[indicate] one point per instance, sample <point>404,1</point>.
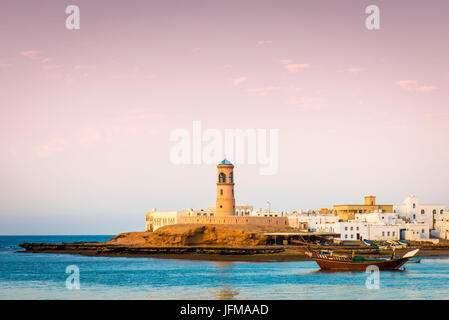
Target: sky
<point>86,115</point>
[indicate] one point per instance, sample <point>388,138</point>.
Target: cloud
<point>307,102</point>
<point>262,42</point>
<point>32,54</point>
<point>51,67</point>
<point>237,81</point>
<point>195,50</point>
<point>4,64</point>
<point>263,91</point>
<point>412,85</point>
<point>293,67</point>
<point>82,67</point>
<point>426,89</point>
<point>51,147</point>
<point>354,71</point>
<point>133,115</point>
<point>91,135</point>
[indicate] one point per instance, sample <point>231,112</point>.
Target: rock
<point>195,235</point>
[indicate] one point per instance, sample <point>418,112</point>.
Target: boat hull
<point>326,264</point>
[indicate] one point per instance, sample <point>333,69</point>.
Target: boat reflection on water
<point>226,291</point>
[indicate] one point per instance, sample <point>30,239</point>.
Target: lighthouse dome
<point>225,162</point>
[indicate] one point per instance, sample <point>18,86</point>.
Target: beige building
<point>347,212</point>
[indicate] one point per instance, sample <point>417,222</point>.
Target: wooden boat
<point>402,242</point>
<point>414,260</point>
<point>344,263</point>
<point>368,243</point>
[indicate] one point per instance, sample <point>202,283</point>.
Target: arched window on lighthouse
<point>222,178</point>
<point>231,177</point>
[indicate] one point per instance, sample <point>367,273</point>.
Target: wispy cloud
<point>293,67</point>
<point>31,54</point>
<point>51,147</point>
<point>237,81</point>
<point>306,102</point>
<point>263,91</point>
<point>4,64</point>
<point>412,85</point>
<point>353,71</point>
<point>263,42</point>
<point>82,67</point>
<point>52,67</point>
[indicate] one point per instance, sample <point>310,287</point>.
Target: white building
<point>379,217</point>
<point>362,229</point>
<point>266,213</point>
<point>383,226</point>
<point>413,211</point>
<point>442,227</point>
<point>314,222</point>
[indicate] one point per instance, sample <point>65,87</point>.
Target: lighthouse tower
<point>225,205</point>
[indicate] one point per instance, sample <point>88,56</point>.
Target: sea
<point>39,276</point>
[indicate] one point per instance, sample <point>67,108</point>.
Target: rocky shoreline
<point>208,253</point>
<point>191,252</point>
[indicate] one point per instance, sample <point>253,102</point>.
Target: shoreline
<point>206,253</point>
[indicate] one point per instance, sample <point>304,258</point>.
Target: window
<point>221,192</point>
<point>393,233</point>
<point>346,236</point>
<point>434,211</point>
<point>383,233</point>
<point>422,231</point>
<point>414,206</point>
<point>231,177</point>
<point>352,228</point>
<point>441,211</point>
<point>346,228</point>
<point>388,233</point>
<point>352,236</point>
<point>222,178</point>
<point>357,228</point>
<point>422,211</point>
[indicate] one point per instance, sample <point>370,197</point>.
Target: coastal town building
<point>413,211</point>
<point>313,222</point>
<point>347,212</point>
<point>376,225</point>
<point>382,226</point>
<point>442,227</point>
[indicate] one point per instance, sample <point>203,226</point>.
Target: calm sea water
<point>42,276</point>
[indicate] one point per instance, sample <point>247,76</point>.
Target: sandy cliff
<point>194,235</point>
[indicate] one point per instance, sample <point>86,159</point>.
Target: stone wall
<point>234,220</point>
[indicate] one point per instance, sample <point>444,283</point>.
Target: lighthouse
<point>225,205</point>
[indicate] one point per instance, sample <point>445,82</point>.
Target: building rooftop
<point>225,162</point>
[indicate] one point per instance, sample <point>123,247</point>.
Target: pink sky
<point>85,115</point>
